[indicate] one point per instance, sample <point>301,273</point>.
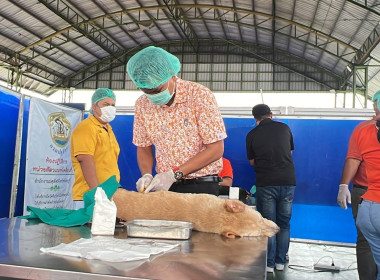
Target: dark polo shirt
<point>270,145</point>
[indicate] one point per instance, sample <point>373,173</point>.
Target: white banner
<point>49,175</point>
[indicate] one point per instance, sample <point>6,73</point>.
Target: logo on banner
<point>60,129</point>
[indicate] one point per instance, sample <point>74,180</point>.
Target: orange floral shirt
<point>180,131</point>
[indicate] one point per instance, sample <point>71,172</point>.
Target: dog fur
<point>208,213</point>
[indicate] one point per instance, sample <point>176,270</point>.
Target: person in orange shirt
<point>366,138</point>
<point>94,148</point>
<point>182,120</point>
<point>367,269</point>
<point>226,174</point>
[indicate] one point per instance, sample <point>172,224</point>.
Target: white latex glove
<point>162,181</point>
<point>344,196</point>
<point>144,182</point>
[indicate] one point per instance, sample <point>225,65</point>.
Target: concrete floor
<point>303,256</point>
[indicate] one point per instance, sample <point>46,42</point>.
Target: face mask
<point>108,113</point>
<point>161,98</point>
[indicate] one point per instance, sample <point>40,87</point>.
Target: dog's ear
<point>229,234</point>
<point>234,206</point>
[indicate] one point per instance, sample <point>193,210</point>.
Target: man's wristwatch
<point>177,173</point>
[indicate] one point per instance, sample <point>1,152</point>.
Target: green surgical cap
<point>102,93</point>
<point>376,97</point>
<point>152,67</point>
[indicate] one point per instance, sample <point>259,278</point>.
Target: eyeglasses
<point>378,131</point>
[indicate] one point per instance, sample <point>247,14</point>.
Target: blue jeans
<point>275,203</point>
<point>368,221</point>
<point>367,268</point>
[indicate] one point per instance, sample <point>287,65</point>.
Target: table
<point>204,256</point>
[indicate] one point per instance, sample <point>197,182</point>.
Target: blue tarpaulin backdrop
<point>320,148</point>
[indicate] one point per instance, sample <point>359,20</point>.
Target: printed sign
<point>49,175</point>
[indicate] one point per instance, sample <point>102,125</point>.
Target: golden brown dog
<point>208,213</point>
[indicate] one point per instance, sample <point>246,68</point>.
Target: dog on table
<point>208,213</point>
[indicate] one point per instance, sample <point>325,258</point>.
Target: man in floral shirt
<point>181,119</point>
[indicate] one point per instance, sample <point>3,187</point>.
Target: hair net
<point>152,67</point>
<point>102,93</point>
<point>376,97</point>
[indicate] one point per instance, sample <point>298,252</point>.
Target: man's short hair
<point>260,110</point>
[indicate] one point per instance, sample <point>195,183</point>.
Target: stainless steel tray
<point>159,229</point>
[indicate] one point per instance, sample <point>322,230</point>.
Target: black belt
<point>360,187</point>
<point>198,180</point>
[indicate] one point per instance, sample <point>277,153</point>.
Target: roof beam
<point>259,52</point>
<point>120,14</point>
<point>364,6</point>
<point>85,27</point>
<point>183,23</point>
<point>49,47</point>
<point>361,56</point>
<point>32,67</point>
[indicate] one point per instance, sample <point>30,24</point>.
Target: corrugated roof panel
<point>296,47</point>
<point>327,61</point>
<point>312,54</point>
<point>282,42</point>
<point>220,68</point>
<point>11,44</point>
<point>188,58</point>
<point>249,67</point>
<point>201,77</point>
<point>17,34</point>
<point>233,86</point>
<point>282,77</point>
<point>215,30</point>
<point>219,76</point>
<point>201,29</point>
<point>204,67</point>
<point>246,19</point>
<point>234,67</point>
<point>239,4</point>
<point>43,14</point>
<point>262,6</point>
<point>217,86</point>
<point>264,38</point>
<point>303,12</point>
<point>233,32</point>
<point>339,24</point>
<point>249,35</point>
<point>90,84</point>
<point>249,86</point>
<point>188,76</point>
<point>347,31</point>
<point>326,15</point>
<point>284,9</point>
<point>234,77</point>
<point>187,67</point>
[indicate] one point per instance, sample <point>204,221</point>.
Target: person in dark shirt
<point>269,150</point>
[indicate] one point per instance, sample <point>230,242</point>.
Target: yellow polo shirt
<point>91,138</point>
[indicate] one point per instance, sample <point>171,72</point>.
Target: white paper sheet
<point>107,248</point>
